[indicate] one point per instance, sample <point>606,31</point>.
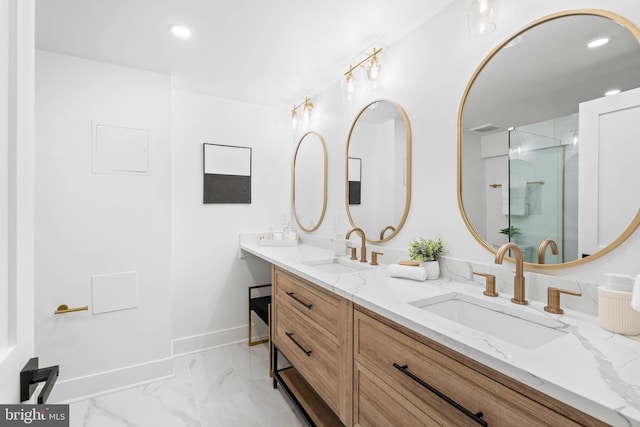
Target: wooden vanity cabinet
<point>394,368</point>
<point>352,366</point>
<point>312,328</point>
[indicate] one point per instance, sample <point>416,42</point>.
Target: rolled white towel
<point>408,272</point>
<point>635,295</point>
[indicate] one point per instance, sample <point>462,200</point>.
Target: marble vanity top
<point>588,367</point>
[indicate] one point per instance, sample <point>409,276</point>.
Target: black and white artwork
<point>227,174</point>
<point>355,189</point>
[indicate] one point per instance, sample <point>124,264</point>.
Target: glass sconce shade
<point>482,16</point>
<point>372,72</point>
<point>373,69</point>
<point>307,109</point>
<point>348,87</point>
<point>294,119</point>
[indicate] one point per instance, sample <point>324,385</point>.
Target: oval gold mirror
<point>542,152</point>
<point>378,170</point>
<point>310,181</point>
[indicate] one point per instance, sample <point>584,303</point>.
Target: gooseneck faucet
<point>518,279</point>
<point>543,248</point>
<point>384,230</point>
<point>363,248</point>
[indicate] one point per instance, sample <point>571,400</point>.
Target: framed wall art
<point>227,174</point>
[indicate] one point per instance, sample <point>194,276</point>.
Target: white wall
<point>90,224</point>
<point>209,293</point>
<point>426,73</point>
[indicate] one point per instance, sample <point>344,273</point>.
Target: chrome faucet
<point>518,279</point>
<point>363,248</point>
<point>543,248</point>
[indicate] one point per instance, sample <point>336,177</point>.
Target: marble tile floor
<point>222,387</point>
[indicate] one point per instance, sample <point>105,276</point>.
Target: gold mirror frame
<point>636,220</point>
<point>293,181</point>
<point>405,120</point>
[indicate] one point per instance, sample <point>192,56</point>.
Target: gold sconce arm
<point>65,309</point>
<point>354,67</point>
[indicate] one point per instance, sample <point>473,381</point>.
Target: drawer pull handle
<point>290,335</point>
<point>299,300</point>
<point>475,417</point>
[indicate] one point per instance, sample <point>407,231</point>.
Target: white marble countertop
<point>588,368</point>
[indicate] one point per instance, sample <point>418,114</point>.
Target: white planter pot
<point>433,269</point>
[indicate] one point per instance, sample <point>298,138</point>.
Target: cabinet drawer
<point>312,352</point>
<point>309,300</point>
<point>383,350</point>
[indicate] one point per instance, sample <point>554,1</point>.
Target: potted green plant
<point>511,232</point>
<point>427,253</point>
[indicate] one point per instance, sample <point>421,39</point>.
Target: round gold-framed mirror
<point>533,104</point>
<point>309,181</point>
<point>378,170</point>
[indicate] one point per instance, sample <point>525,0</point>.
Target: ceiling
<point>551,71</point>
<point>271,53</point>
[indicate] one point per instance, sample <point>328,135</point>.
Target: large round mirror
<point>310,181</point>
<point>545,150</point>
<point>378,170</point>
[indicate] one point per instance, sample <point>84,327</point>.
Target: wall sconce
<point>307,109</point>
<point>371,72</point>
<point>482,16</point>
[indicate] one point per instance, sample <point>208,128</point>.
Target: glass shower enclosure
<point>543,195</point>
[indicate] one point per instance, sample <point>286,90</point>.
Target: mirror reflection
<point>544,153</point>
<point>310,181</point>
<point>378,170</point>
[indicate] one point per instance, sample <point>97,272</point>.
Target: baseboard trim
<point>81,388</point>
<point>196,343</point>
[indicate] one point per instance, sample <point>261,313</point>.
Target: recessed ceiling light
<point>612,92</point>
<point>180,31</point>
<point>598,42</point>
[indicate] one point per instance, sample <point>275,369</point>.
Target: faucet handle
<point>489,284</point>
<point>553,299</point>
<point>353,253</point>
<point>374,257</point>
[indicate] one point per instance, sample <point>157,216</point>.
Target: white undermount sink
<point>336,265</point>
<point>514,325</point>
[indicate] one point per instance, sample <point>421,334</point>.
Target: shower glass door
<point>537,187</point>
